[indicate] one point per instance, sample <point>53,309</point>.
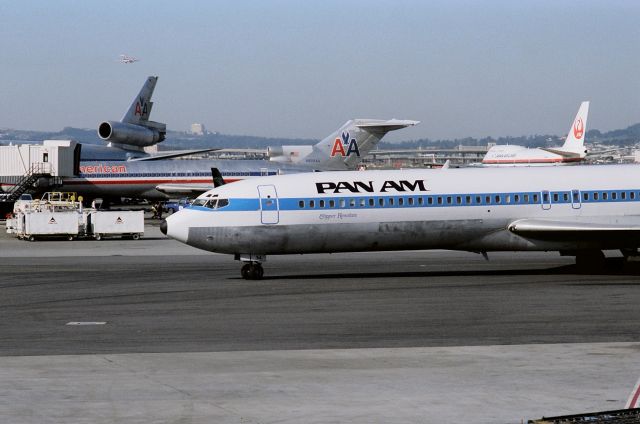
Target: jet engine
<point>123,133</point>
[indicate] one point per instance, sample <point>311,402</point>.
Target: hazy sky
<point>302,68</point>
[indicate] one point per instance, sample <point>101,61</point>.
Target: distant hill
<point>179,140</point>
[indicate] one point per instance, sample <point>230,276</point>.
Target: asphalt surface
<point>153,302</point>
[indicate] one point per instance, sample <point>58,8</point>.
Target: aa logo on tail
<point>141,107</point>
<point>578,128</point>
<point>345,146</point>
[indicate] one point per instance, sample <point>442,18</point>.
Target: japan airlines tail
<point>572,151</point>
<point>343,149</point>
<point>577,211</point>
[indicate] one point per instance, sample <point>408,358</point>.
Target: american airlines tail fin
<point>134,131</point>
<point>140,109</point>
<point>574,143</point>
<point>346,147</point>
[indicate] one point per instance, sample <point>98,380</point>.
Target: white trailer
<point>127,224</point>
<point>48,224</point>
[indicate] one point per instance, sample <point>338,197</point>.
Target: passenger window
<point>526,198</point>
<point>555,197</point>
<point>301,204</point>
<point>430,200</point>
<point>381,201</point>
<point>352,203</point>
<point>487,200</point>
<point>458,200</point>
<point>363,202</point>
<point>372,202</point>
<point>585,196</point>
<point>497,199</point>
<point>343,203</point>
<point>478,200</point>
<point>410,200</point>
<point>400,201</point>
<point>605,195</point>
<point>332,203</point>
<point>321,203</point>
<point>508,198</point>
<point>623,195</point>
<point>535,198</point>
<point>468,200</point>
<point>516,198</point>
<point>420,201</point>
<point>439,200</point>
<point>595,196</point>
<point>614,196</point>
<point>312,204</point>
<point>390,201</point>
<point>545,197</point>
<point>448,200</point>
<point>565,196</point>
<point>632,195</point>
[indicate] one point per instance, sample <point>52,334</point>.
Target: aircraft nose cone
<point>163,227</point>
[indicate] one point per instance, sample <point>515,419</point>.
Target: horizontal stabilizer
<point>375,125</point>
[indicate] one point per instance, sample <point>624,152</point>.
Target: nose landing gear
<point>252,268</point>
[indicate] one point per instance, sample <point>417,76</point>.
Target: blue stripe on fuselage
<point>435,200</point>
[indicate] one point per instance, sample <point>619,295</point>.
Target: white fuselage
<point>461,209</point>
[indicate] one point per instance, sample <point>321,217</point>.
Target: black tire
<point>98,237</point>
<point>135,236</point>
<point>590,261</point>
<point>244,271</point>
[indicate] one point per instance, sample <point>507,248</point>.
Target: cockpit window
<point>211,203</point>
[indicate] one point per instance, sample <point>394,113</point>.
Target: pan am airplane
<point>577,211</point>
<point>571,152</point>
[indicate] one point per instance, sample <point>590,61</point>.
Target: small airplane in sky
<point>577,211</point>
<point>571,152</point>
<point>128,59</point>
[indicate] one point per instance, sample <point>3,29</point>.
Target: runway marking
<point>86,323</point>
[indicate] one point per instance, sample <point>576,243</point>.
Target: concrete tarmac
<point>155,331</point>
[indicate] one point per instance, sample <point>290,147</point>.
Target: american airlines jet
<point>571,152</point>
<point>577,211</point>
<point>161,179</point>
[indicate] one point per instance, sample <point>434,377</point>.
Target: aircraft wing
<point>541,229</point>
<point>171,154</point>
<point>564,154</point>
<point>183,189</point>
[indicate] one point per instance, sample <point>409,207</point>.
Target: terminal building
<point>27,167</point>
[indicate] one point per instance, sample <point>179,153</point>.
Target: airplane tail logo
<point>578,128</point>
<point>344,146</point>
<point>141,108</point>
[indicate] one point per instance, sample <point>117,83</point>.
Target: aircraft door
<point>269,213</point>
<point>575,199</point>
<point>546,200</point>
